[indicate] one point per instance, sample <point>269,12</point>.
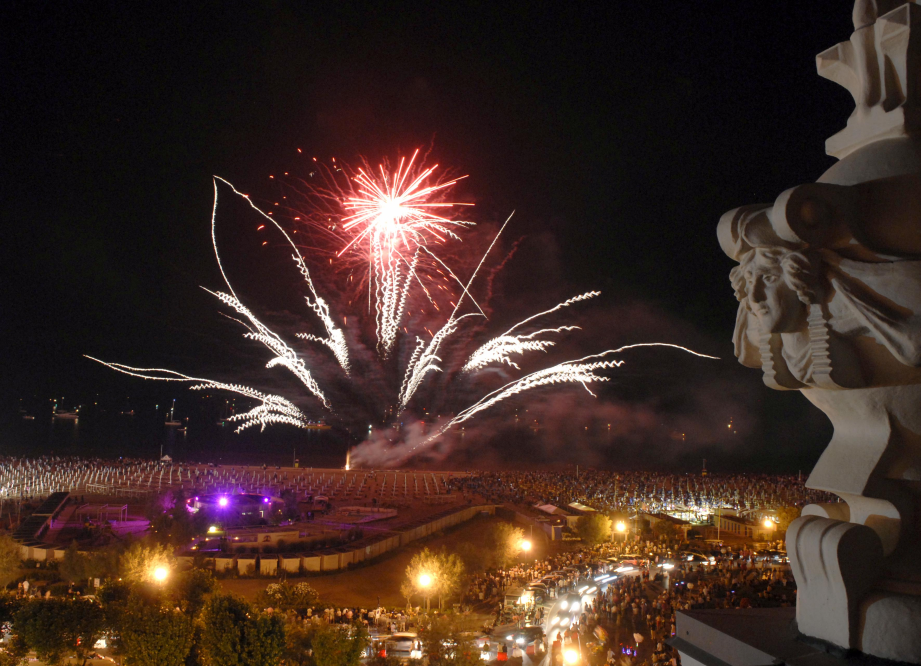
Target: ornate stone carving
<point>829,290</point>
<point>874,65</point>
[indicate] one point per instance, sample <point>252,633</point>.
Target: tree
<point>78,567</point>
<point>334,646</point>
<point>233,633</point>
<point>444,643</point>
<point>15,650</point>
<point>284,596</point>
<point>171,524</point>
<point>665,529</point>
<point>73,567</point>
<point>155,636</point>
<point>114,597</point>
<point>140,561</point>
<point>452,575</point>
<point>785,516</point>
<point>475,558</point>
<point>505,543</point>
<point>594,528</point>
<point>10,560</point>
<point>15,653</point>
<point>191,588</point>
<point>56,628</point>
<point>298,650</point>
<point>291,511</point>
<point>433,575</point>
<point>9,606</point>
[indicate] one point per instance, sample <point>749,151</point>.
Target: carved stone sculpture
<point>829,286</point>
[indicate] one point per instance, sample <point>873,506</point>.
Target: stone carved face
<point>776,285</point>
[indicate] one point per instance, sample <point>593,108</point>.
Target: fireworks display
<point>393,215</point>
<point>392,227</point>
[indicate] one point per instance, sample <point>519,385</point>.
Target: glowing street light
<point>571,656</point>
<point>160,574</point>
<point>621,526</point>
<point>425,581</point>
<point>223,501</point>
<point>526,545</point>
<point>768,523</point>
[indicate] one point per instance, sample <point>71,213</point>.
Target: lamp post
<point>622,528</point>
<point>160,574</point>
<point>769,525</point>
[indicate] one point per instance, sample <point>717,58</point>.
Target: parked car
<point>774,556</point>
<point>404,645</point>
<point>697,558</point>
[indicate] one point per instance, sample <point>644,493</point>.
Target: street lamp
<point>160,574</point>
<point>425,581</point>
<point>621,527</point>
<point>571,656</point>
<point>526,545</point>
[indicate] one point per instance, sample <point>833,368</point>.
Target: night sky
<point>618,132</point>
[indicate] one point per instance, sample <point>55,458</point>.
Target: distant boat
<point>172,422</point>
<point>130,412</point>
<point>318,425</point>
<point>66,416</point>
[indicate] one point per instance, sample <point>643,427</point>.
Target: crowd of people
<point>635,612</point>
<point>632,617</point>
<point>692,495</point>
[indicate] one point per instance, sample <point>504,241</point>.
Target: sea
<point>139,436</point>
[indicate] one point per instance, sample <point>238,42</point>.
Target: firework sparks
<point>336,340</point>
<point>272,410</point>
<point>394,215</point>
<point>580,371</point>
<point>500,349</point>
<point>568,372</point>
<point>286,357</point>
<point>425,360</point>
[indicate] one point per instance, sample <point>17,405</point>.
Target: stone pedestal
<point>829,285</point>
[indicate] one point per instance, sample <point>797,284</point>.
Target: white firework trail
<point>392,292</point>
<point>424,362</point>
<point>393,214</point>
<point>272,410</point>
<point>581,371</point>
<point>336,340</point>
<point>285,356</point>
<point>501,348</point>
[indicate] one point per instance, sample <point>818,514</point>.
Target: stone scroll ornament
<point>829,290</point>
